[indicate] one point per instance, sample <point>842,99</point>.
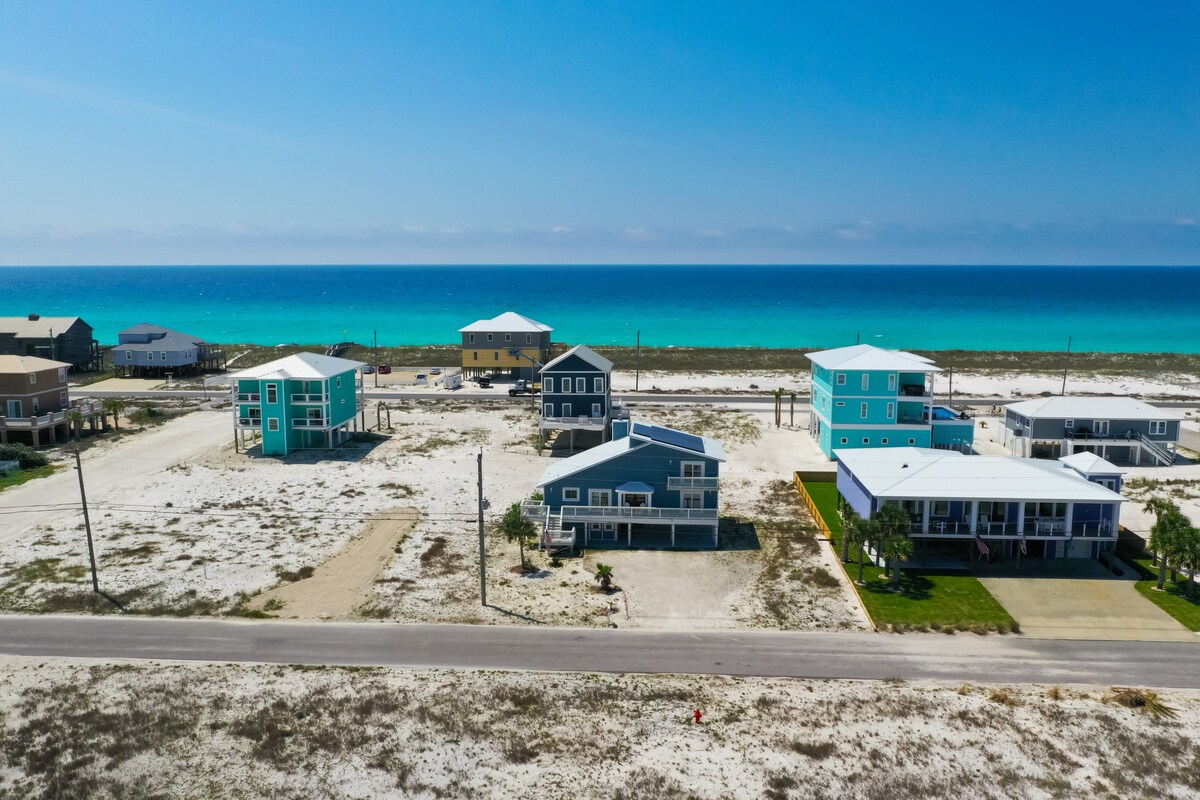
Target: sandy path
<point>345,581</point>
<point>108,468</point>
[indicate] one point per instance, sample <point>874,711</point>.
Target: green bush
<point>23,454</point>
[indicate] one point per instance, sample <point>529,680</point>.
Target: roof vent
<point>34,317</point>
<point>904,466</point>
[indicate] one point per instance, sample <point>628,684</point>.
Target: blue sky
<point>591,132</point>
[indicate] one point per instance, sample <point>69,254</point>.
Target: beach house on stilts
<point>303,401</point>
<point>576,395</point>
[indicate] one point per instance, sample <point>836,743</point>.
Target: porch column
<point>973,515</point>
<point>672,534</point>
<point>1070,514</point>
<point>1021,517</point>
<point>925,518</point>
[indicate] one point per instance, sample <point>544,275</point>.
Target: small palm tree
<point>855,535</point>
<point>1166,536</point>
<point>896,549</point>
<point>76,422</point>
<point>115,406</point>
<point>604,576</point>
<point>849,517</point>
<point>893,522</point>
<point>514,526</point>
<point>1187,548</point>
<point>792,422</point>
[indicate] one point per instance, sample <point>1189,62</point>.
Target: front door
<point>14,408</point>
<point>547,409</point>
<point>566,409</point>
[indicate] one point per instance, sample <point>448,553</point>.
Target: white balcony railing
<point>692,483</point>
<point>248,398</point>
<point>249,422</point>
<point>637,514</point>
<point>310,398</point>
<point>86,409</point>
<point>575,422</point>
<point>311,422</point>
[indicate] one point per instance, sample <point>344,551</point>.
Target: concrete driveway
<point>1080,599</point>
<point>679,590</point>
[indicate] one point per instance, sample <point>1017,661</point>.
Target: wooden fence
<point>808,501</point>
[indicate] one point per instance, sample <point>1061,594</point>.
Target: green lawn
<point>927,598</point>
<point>19,476</point>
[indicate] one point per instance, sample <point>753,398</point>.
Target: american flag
<point>983,548</point>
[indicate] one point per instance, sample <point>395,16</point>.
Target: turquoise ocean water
<point>1130,309</point>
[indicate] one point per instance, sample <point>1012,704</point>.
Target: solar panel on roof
<point>677,438</point>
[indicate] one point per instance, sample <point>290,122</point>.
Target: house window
<point>839,403</point>
<point>508,337</point>
<point>62,399</point>
<point>599,497</point>
<point>339,382</point>
<point>1069,424</point>
<point>883,440</point>
<point>598,385</point>
<point>32,378</point>
<point>1108,483</point>
<point>547,409</point>
<point>912,441</point>
<point>891,410</point>
<point>489,337</point>
<point>37,406</point>
<point>941,508</point>
<point>570,495</point>
<point>162,355</point>
<point>580,385</point>
<point>693,469</point>
<point>892,382</point>
<point>841,379</point>
<point>866,440</point>
<point>691,499</point>
<point>549,384</point>
<point>272,393</point>
<point>866,381</point>
<point>529,338</point>
<point>470,338</point>
<point>1158,428</point>
<point>496,356</point>
<point>129,355</point>
<point>845,440</point>
<point>273,424</point>
<point>595,409</point>
<point>862,410</point>
<point>475,355</point>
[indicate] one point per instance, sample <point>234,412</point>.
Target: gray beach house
<point>147,349</point>
<point>1118,429</point>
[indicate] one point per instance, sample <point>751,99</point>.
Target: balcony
<point>646,514</point>
<point>249,422</point>
<point>248,398</point>
<point>913,390</point>
<point>311,422</point>
<point>567,423</point>
<point>1035,528</point>
<point>708,484</point>
<point>310,398</point>
<point>86,409</point>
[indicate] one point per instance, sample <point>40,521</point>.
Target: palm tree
<point>1156,506</point>
<point>856,533</point>
<point>849,517</point>
<point>894,523</point>
<point>897,548</point>
<point>604,576</point>
<point>115,406</point>
<point>1187,548</point>
<point>514,526</point>
<point>1165,539</point>
<point>792,420</point>
<point>76,422</point>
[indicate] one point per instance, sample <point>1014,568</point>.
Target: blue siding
<point>650,463</point>
<point>573,368</point>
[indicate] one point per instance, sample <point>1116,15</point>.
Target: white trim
<point>581,386</point>
<point>866,381</point>
<point>892,379</point>
<point>596,409</point>
<point>683,465</point>
<point>598,385</point>
<point>1158,427</point>
<point>273,424</point>
<point>607,498</point>
<point>840,379</point>
<point>863,409</point>
<point>891,410</point>
<point>565,410</point>
<point>573,489</point>
<point>267,390</point>
<point>547,385</point>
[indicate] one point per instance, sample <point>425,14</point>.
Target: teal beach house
<point>865,396</point>
<point>302,402</point>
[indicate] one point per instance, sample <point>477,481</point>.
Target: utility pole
<point>858,337</point>
<point>637,363</point>
<point>951,401</point>
<point>1066,366</point>
<point>482,554</point>
<point>375,366</point>
<point>87,524</point>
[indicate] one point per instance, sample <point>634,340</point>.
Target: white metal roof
<point>26,328</point>
<point>508,322</point>
<point>1090,408</point>
<point>870,357</point>
<point>923,473</point>
<point>28,364</point>
<point>301,366</point>
<point>587,354</point>
<point>1091,463</point>
<point>612,449</point>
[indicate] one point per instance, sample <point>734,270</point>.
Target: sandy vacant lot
<point>79,730</point>
<point>211,530</point>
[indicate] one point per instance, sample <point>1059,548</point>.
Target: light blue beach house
<point>865,396</point>
<point>577,393</point>
<point>964,507</point>
<point>648,486</point>
<point>304,401</point>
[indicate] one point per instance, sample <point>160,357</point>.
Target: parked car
<point>368,370</point>
<point>420,376</point>
<point>435,371</point>
<point>385,369</point>
<point>485,382</point>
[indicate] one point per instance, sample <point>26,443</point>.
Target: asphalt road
<point>1006,659</point>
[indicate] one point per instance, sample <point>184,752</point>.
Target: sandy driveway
<point>680,590</point>
<point>113,466</point>
<point>344,582</point>
<point>1082,601</point>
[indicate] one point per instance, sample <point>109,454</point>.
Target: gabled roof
<point>1091,464</point>
<point>587,354</point>
<point>19,364</point>
<point>869,357</point>
<point>710,448</point>
<point>301,366</point>
<point>919,472</point>
<point>508,322</point>
<point>26,328</point>
<point>1090,408</point>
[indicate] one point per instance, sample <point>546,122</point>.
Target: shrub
<point>25,456</point>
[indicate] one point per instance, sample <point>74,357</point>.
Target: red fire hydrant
<point>696,716</point>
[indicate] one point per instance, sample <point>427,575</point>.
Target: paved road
<point>745,653</point>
